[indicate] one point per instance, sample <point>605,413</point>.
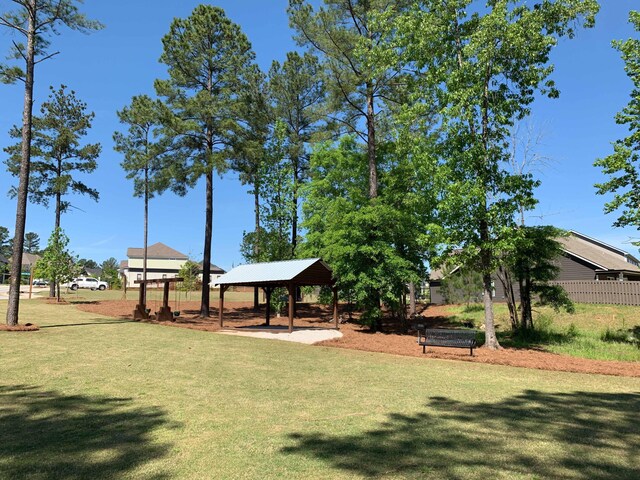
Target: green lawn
<point>578,334</point>
<point>93,397</point>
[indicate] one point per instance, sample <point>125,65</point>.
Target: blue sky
<point>108,67</point>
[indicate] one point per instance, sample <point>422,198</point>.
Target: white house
<point>162,262</point>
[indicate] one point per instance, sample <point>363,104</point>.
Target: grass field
<point>93,397</point>
<point>578,334</point>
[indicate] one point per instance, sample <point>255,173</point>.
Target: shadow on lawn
<point>106,322</point>
<point>49,435</point>
<point>578,435</point>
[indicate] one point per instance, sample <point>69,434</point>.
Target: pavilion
<point>289,274</point>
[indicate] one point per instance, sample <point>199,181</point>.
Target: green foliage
<point>532,263</point>
<point>110,273</point>
<point>48,15</point>
<point>461,283</point>
<point>85,263</point>
<point>57,264</point>
<point>189,273</point>
<point>210,63</point>
<point>144,154</point>
<point>32,243</point>
<point>374,248</point>
<point>297,91</point>
<point>6,243</point>
<point>480,67</point>
<point>208,60</point>
<point>56,154</point>
<point>621,335</point>
<point>622,165</point>
<point>272,241</point>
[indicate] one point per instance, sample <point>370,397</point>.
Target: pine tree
<point>36,21</point>
<point>208,59</point>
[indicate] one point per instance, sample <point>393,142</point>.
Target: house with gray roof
<point>583,258</point>
<point>162,262</point>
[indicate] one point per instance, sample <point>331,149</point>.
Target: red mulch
<point>27,327</point>
<point>357,337</point>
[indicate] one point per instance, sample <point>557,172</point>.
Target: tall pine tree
<point>208,60</point>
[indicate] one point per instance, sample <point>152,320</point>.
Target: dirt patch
<point>27,327</point>
<point>356,337</point>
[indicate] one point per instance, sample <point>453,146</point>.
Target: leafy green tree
<point>297,92</point>
<point>60,156</point>
<point>35,21</point>
<point>622,165</point>
<point>373,248</point>
<point>110,272</point>
<point>189,272</point>
<point>145,156</point>
<point>57,263</point>
<point>482,67</point>
<point>32,243</point>
<point>341,33</point>
<point>460,283</point>
<point>534,265</point>
<point>85,263</point>
<point>6,242</point>
<point>249,155</point>
<point>208,59</point>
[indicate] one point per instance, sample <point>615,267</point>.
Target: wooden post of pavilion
<point>292,299</point>
<point>223,288</point>
<point>268,291</point>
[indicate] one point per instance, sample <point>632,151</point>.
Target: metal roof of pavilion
<point>309,271</point>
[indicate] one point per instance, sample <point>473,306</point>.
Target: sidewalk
<point>24,291</point>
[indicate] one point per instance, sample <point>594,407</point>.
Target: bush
<point>622,335</point>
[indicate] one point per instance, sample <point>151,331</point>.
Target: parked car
<point>38,282</point>
<point>86,282</point>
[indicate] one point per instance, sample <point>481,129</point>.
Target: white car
<point>87,282</point>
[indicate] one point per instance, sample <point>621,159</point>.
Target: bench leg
<point>424,348</point>
<point>471,351</point>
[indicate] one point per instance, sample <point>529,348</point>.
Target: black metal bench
<point>438,337</point>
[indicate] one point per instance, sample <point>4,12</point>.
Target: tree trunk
<point>294,213</point>
<point>490,339</point>
<point>412,299</point>
<point>256,243</point>
<point>525,301</point>
<point>56,226</point>
<point>507,283</point>
<point>145,235</point>
<point>206,262</point>
<point>371,143</point>
<point>13,304</point>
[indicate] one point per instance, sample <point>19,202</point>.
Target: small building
<point>28,261</point>
<point>583,258</point>
<point>162,262</point>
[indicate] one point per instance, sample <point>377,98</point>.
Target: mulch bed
<point>27,327</point>
<point>356,337</point>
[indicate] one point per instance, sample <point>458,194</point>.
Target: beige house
<point>162,262</point>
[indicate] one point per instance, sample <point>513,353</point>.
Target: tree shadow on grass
<point>578,435</point>
<point>49,435</point>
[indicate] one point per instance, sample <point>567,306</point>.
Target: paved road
<point>24,291</point>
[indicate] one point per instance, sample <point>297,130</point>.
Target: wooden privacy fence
<point>602,291</point>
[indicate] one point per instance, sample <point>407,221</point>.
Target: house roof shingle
<point>600,254</point>
<point>157,250</point>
